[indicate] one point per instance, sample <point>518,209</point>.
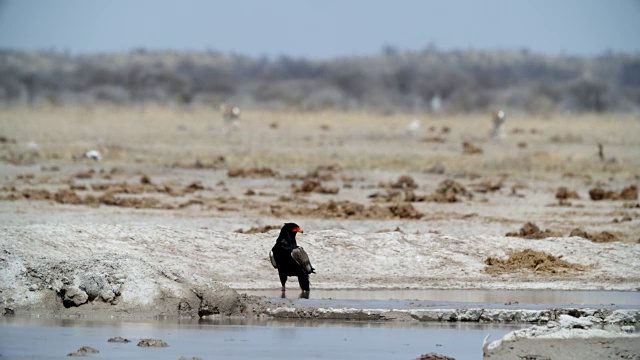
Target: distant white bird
<point>436,104</point>
<point>93,155</point>
<point>231,116</point>
<point>497,132</point>
<point>414,125</point>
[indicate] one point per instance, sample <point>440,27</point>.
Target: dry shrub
<point>532,231</point>
<point>529,260</point>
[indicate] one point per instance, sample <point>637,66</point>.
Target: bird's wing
<point>273,259</point>
<point>300,256</point>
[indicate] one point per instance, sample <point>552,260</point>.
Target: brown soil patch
<point>434,139</point>
<point>529,260</point>
<point>532,231</point>
<point>628,193</point>
<point>217,163</point>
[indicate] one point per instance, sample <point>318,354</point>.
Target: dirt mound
<point>563,193</point>
<point>488,186</point>
<point>405,211</point>
<point>532,231</point>
<point>529,260</point>
<point>404,182</point>
<point>470,149</point>
<point>448,192</point>
<point>601,237</point>
<point>628,193</point>
<point>321,173</point>
<point>252,172</point>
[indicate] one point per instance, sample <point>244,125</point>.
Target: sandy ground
<point>179,208</point>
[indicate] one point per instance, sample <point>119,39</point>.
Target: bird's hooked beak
<point>297,229</point>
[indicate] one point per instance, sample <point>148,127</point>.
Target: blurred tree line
<point>429,80</point>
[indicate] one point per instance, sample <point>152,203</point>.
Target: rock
<point>93,284</point>
<point>152,343</point>
<point>622,316</point>
<point>83,351</point>
<point>118,339</point>
<point>184,308</point>
<point>435,315</point>
<point>8,311</point>
<point>74,296</point>
<point>570,322</point>
<point>434,356</point>
<point>219,300</point>
<point>469,314</point>
<point>628,328</point>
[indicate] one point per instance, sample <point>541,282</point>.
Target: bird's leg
<point>283,280</point>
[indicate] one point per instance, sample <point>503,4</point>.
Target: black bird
<point>291,259</point>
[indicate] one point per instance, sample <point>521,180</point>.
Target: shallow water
<point>521,299</point>
<point>36,338</point>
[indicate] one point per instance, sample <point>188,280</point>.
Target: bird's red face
<point>297,229</point>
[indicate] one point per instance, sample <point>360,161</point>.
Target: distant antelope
<point>231,116</point>
<point>497,132</point>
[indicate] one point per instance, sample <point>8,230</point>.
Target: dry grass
<point>166,136</point>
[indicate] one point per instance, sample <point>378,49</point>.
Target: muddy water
<point>54,338</point>
<point>523,299</point>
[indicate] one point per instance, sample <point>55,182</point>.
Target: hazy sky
<point>321,28</point>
